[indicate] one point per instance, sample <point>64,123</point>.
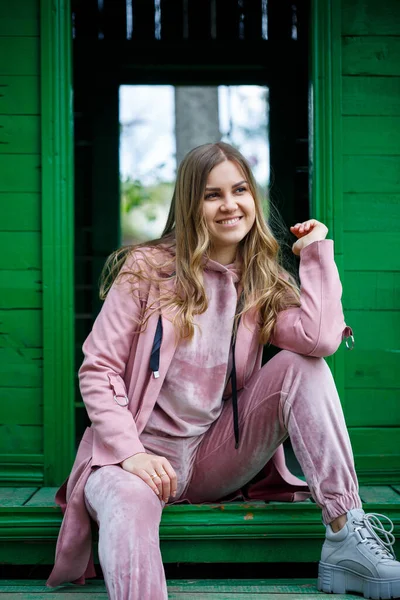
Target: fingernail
<point>174,494</point>
<point>157,491</point>
<point>165,499</point>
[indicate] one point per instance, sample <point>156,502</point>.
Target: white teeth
<point>229,221</point>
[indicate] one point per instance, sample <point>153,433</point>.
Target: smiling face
<point>228,209</point>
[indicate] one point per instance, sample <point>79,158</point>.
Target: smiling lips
<point>231,221</point>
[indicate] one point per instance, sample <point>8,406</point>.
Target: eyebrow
<point>219,189</point>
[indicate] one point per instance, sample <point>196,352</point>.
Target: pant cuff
<point>340,506</point>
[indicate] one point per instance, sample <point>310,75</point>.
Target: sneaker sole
<point>338,580</point>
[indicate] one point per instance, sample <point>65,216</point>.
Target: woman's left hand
<point>308,232</point>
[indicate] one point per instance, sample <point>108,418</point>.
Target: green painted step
<point>206,589</point>
<point>235,532</point>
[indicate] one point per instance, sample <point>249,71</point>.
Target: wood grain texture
<point>371,55</point>
<point>21,406</point>
<point>371,96</point>
<point>20,289</point>
<point>20,250</point>
<point>23,21</point>
<point>20,211</point>
<point>384,494</point>
<point>371,290</point>
<point>376,362</point>
<point>10,496</point>
<point>371,407</point>
<point>44,497</point>
<point>19,56</point>
<point>19,95</point>
<point>24,439</point>
<point>371,135</point>
<point>369,17</point>
<point>374,251</point>
<point>371,212</point>
<point>25,374</point>
<point>375,448</point>
<point>19,134</point>
<point>370,174</point>
<point>20,330</point>
<point>12,166</point>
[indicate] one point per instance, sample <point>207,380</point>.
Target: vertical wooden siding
<point>21,439</point>
<point>370,34</point>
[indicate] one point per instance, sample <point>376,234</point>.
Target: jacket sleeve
<point>317,327</point>
<point>106,352</point>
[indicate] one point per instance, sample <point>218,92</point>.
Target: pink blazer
<point>116,363</point>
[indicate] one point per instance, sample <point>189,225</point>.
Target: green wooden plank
<point>375,362</point>
<point>19,56</point>
<point>370,174</point>
<point>19,134</point>
<point>369,17</point>
<point>371,212</point>
<point>372,367</point>
<point>12,166</point>
<point>21,438</point>
<point>21,406</point>
<point>20,330</point>
<point>378,494</point>
<point>396,488</point>
<point>20,250</point>
<point>377,55</point>
<point>21,469</point>
<point>370,96</point>
<point>20,211</point>
<point>21,19</point>
<point>45,497</point>
<point>27,375</point>
<point>20,289</point>
<point>19,95</point>
<point>15,496</point>
<point>245,596</point>
<point>376,448</point>
<point>371,135</point>
<point>371,290</point>
<point>363,407</point>
<point>379,254</point>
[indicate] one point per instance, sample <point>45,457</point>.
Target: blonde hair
<point>267,286</point>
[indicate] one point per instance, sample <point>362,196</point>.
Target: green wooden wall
<point>21,431</point>
<point>357,177</point>
<point>370,149</point>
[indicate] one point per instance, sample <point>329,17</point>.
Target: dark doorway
<point>178,43</point>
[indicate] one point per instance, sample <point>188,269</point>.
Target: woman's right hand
<point>155,470</point>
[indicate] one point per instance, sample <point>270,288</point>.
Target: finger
<point>166,484</point>
<point>155,477</point>
<point>149,480</point>
<point>172,476</point>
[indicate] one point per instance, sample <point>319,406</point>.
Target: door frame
<point>58,202</point>
<point>57,140</point>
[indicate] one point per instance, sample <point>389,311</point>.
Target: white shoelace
<point>384,540</point>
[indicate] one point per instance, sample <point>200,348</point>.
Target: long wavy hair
<point>267,287</point>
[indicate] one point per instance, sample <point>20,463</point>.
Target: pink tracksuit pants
<point>291,395</point>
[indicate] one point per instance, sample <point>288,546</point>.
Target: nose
<point>229,203</point>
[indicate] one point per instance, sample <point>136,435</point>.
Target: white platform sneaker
<point>356,559</point>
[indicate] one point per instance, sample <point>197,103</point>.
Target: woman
<point>180,406</point>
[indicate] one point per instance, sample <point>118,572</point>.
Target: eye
<point>211,195</point>
<point>241,189</point>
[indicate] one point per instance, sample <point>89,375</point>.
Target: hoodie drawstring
<point>155,367</point>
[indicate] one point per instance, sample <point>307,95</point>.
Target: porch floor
<point>211,589</point>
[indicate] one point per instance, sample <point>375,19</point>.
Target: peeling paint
<point>248,517</point>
